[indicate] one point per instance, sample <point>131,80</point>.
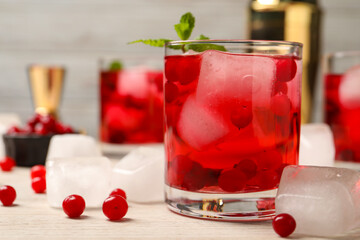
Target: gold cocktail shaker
<point>46,84</point>
<point>291,20</point>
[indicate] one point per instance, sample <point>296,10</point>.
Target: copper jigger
<point>46,84</point>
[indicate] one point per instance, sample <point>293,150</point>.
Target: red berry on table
<point>7,164</point>
<point>284,224</point>
<point>38,171</point>
<point>38,184</point>
<point>7,195</point>
<point>73,206</point>
<point>115,207</point>
<point>118,191</point>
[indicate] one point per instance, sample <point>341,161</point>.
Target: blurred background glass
<point>342,102</point>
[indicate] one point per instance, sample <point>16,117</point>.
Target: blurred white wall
<point>75,33</point>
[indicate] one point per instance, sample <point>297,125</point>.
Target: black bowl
<point>27,150</point>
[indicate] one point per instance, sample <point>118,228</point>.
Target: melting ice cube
<point>316,145</point>
<point>72,145</point>
<point>199,126</point>
<point>324,201</point>
<point>349,90</point>
<point>88,177</point>
<point>141,175</point>
<point>227,77</point>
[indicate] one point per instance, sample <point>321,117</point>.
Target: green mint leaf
<point>116,66</point>
<point>152,42</point>
<point>185,27</point>
<point>202,37</point>
<point>201,47</point>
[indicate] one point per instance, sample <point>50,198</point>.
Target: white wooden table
<point>32,218</point>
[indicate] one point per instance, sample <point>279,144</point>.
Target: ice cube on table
<point>324,201</point>
<point>227,77</point>
<point>88,177</point>
<point>349,90</point>
<point>141,175</point>
<point>7,120</point>
<point>72,145</point>
<point>199,126</point>
<point>316,145</point>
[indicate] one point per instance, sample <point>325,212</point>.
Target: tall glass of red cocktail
<point>342,102</point>
<point>232,121</point>
<point>131,103</point>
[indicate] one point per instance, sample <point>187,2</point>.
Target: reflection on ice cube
<point>141,175</point>
<point>88,177</point>
<point>324,201</point>
<point>316,145</point>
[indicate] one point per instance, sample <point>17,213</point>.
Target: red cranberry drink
<point>131,106</point>
<point>342,111</point>
<point>232,122</point>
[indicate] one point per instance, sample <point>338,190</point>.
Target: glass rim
<point>238,41</point>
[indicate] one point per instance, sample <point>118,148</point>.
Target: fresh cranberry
<point>268,179</point>
<point>186,173</point>
<point>48,122</point>
<point>73,206</point>
<point>269,159</point>
<point>38,184</point>
<point>171,92</point>
<point>41,129</point>
<point>182,69</point>
<point>284,224</point>
<point>7,195</point>
<point>118,191</point>
<point>34,120</point>
<point>38,171</point>
<point>279,88</point>
<point>232,180</point>
<point>7,164</point>
<point>115,207</point>
<point>14,130</point>
<point>280,105</point>
<point>241,117</point>
<point>285,69</point>
<point>248,167</point>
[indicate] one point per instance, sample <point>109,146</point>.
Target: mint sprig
<point>183,29</point>
<point>115,66</point>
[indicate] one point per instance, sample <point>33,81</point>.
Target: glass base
<point>258,206</point>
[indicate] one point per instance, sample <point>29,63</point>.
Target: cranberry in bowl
<point>28,145</point>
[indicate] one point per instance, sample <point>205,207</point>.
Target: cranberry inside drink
<point>231,120</point>
<point>131,106</point>
<point>342,113</point>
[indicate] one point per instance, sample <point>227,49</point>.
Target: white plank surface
<point>32,218</point>
<point>76,33</point>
